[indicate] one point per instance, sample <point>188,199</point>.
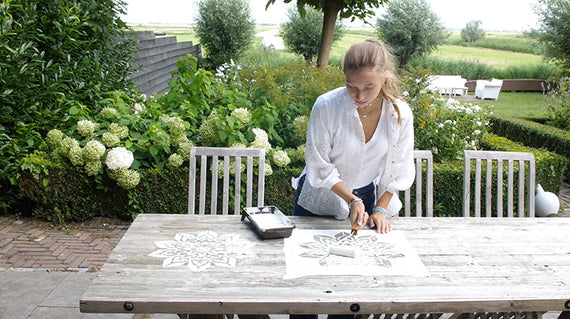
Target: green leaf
<point>45,182</point>
<point>73,110</point>
<point>153,150</point>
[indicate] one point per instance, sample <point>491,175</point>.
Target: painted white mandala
<point>202,250</point>
<point>375,251</point>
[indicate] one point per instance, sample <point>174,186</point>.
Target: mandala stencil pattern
<point>202,250</point>
<point>308,252</point>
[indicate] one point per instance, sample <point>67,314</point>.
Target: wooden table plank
<point>494,265</point>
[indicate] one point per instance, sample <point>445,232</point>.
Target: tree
<point>472,31</point>
<point>411,29</point>
<point>302,35</point>
<point>331,9</point>
<point>554,32</point>
<point>225,28</point>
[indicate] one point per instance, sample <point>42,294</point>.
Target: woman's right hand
<point>358,216</point>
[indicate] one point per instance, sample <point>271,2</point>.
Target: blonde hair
<point>372,53</point>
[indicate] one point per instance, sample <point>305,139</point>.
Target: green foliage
<point>558,104</point>
<point>278,189</point>
<point>54,54</point>
<point>442,125</point>
<point>410,28</point>
<point>554,31</point>
<point>348,9</point>
<point>472,31</point>
<point>550,167</point>
<point>225,28</point>
<point>302,35</point>
<point>533,134</point>
<point>477,70</point>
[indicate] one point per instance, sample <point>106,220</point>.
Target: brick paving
<point>28,243</point>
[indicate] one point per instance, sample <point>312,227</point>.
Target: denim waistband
<point>363,190</point>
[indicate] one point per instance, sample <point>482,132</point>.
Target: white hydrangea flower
<point>118,130</point>
<point>93,167</point>
<point>238,145</point>
<point>54,137</point>
<point>175,160</point>
<point>300,124</point>
<point>261,140</point>
<point>109,112</point>
<point>128,178</point>
<point>179,139</point>
<point>241,115</point>
<point>110,139</point>
<point>86,128</point>
<point>184,150</point>
<point>119,157</point>
<point>268,170</point>
<point>93,150</point>
<point>76,155</point>
<point>281,159</point>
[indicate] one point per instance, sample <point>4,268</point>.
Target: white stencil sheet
<point>307,252</point>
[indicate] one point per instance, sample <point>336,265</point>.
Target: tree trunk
<point>330,11</point>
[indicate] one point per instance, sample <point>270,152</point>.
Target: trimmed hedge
<point>71,196</point>
<point>533,134</point>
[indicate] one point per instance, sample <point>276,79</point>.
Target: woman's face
<point>363,85</point>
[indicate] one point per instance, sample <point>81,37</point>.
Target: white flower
<point>241,115</point>
<point>261,140</point>
<point>281,159</point>
<point>119,157</point>
<point>86,128</point>
<point>93,150</point>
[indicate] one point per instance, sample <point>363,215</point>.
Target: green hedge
<point>71,196</point>
<point>533,134</point>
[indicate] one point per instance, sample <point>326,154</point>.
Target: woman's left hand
<point>380,222</point>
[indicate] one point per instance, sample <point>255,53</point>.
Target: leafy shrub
<point>410,28</point>
<point>442,125</point>
<point>302,34</point>
<point>225,29</point>
<point>472,31</point>
<point>558,104</point>
<point>523,43</point>
<point>476,70</point>
<point>53,55</point>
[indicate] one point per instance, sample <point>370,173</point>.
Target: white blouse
<point>335,152</point>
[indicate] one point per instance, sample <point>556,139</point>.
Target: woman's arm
<point>357,214</point>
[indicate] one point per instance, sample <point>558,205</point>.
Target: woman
<point>360,143</point>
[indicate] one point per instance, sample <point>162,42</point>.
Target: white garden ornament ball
<point>546,203</point>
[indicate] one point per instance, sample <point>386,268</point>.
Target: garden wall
<point>517,85</point>
<point>156,59</point>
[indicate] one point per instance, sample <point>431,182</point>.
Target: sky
<point>495,15</point>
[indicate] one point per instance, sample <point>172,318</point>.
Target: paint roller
<point>345,251</point>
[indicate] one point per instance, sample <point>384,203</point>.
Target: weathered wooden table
<point>475,265</point>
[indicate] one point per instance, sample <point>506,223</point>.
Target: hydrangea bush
<point>441,124</point>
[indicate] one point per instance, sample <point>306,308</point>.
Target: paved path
<point>45,269</point>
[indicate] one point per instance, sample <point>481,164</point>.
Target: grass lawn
<point>519,104</point>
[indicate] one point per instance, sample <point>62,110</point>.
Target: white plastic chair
<point>488,90</point>
<point>209,158</point>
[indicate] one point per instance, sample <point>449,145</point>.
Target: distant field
<point>497,58</point>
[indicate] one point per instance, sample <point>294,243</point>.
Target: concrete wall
<point>156,60</point>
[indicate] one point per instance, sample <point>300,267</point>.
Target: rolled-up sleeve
<point>321,172</point>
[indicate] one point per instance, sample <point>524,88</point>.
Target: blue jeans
<point>366,193</point>
<point>368,196</point>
